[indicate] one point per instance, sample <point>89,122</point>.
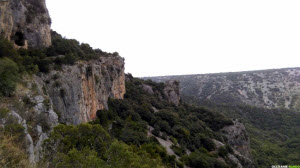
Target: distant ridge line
<point>222,73</point>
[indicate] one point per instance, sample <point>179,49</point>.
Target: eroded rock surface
<point>79,91</point>
<point>25,22</point>
<point>171,91</point>
<point>32,109</point>
<point>239,140</point>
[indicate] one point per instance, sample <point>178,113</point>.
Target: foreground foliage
<point>89,145</point>
<point>12,153</point>
<point>8,76</point>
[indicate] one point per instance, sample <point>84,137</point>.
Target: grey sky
<point>172,37</point>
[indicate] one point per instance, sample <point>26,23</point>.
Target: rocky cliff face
<point>72,96</point>
<point>79,91</point>
<point>239,141</point>
<point>170,91</point>
<point>26,22</point>
<point>238,138</point>
<point>32,108</point>
<point>270,88</point>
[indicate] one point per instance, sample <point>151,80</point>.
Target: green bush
<point>121,155</point>
<point>72,49</point>
<point>42,119</point>
<point>16,130</point>
<point>155,132</point>
<point>69,59</point>
<point>178,150</point>
<point>200,140</point>
<point>66,51</point>
<point>79,137</point>
<point>3,113</point>
<point>104,117</point>
<point>7,50</point>
<point>88,145</point>
<point>133,133</point>
<point>44,65</point>
<point>28,102</point>
<point>222,152</point>
<point>12,154</point>
<point>198,160</point>
<point>8,76</point>
<point>85,158</point>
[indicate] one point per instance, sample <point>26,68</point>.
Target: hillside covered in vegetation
<point>64,104</point>
<point>274,133</point>
<point>123,132</point>
<point>150,127</point>
<point>277,88</point>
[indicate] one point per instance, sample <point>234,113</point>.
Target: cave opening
<point>19,39</point>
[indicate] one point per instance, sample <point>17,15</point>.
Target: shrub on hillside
<point>8,76</point>
<point>11,154</point>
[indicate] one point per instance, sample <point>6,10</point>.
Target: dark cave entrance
<point>19,39</point>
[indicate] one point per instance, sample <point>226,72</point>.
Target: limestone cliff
<point>72,95</point>
<point>80,90</point>
<point>25,22</point>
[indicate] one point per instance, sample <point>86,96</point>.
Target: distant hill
<point>267,102</point>
<point>277,88</point>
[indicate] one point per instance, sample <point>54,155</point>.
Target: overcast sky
<point>173,37</point>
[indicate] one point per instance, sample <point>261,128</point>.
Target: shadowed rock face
<point>79,91</point>
<point>171,91</point>
<point>25,22</point>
